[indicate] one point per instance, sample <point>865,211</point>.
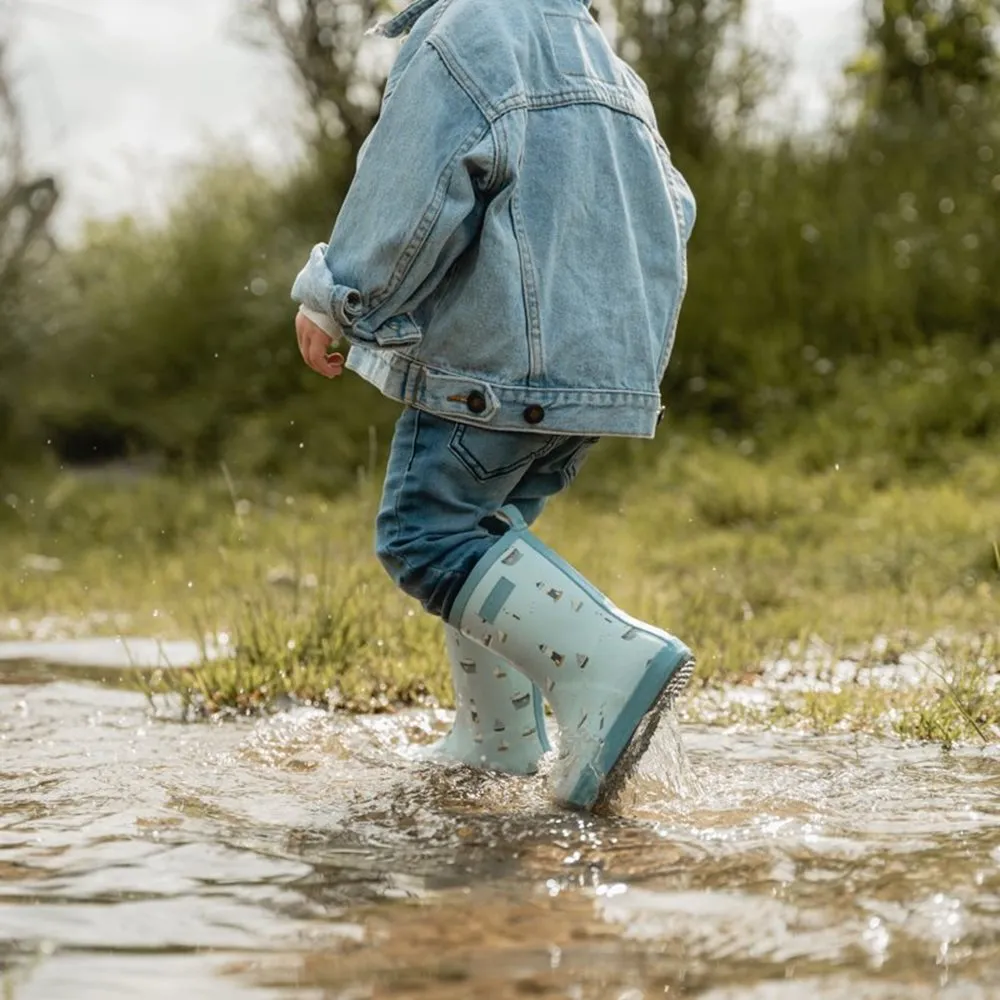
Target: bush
<point>813,262</point>
<point>177,341</point>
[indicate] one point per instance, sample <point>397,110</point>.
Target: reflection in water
<point>316,856</point>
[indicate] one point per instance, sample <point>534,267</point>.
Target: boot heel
<point>628,761</point>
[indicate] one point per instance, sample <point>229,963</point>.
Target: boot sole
<point>619,775</point>
<point>596,792</point>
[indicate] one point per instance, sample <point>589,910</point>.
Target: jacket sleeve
<point>415,204</point>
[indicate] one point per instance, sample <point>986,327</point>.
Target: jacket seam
<point>454,66</point>
<point>678,214</point>
<point>502,155</point>
<point>425,226</point>
<point>529,283</point>
<point>514,105</point>
<point>570,98</point>
<point>467,84</point>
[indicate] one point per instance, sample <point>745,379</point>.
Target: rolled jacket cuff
<point>315,290</point>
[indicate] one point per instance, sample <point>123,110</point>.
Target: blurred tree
<point>25,204</point>
<point>704,76</point>
<point>174,338</point>
<point>326,44</point>
<point>25,207</point>
<point>341,72</point>
<point>926,54</point>
<point>702,73</point>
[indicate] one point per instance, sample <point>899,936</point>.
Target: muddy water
<point>315,857</point>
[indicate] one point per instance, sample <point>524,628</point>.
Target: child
<point>510,264</point>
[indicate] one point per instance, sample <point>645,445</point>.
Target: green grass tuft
<point>750,558</point>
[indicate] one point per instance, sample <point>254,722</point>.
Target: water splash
<point>309,854</point>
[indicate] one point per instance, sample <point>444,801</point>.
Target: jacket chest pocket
<point>579,48</point>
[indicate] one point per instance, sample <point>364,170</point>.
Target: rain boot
<point>499,714</point>
<point>607,676</point>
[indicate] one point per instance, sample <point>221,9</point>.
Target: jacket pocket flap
<point>398,331</point>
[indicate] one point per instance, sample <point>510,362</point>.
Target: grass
<point>957,700</point>
<point>750,559</point>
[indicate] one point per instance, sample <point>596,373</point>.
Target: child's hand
<point>313,344</point>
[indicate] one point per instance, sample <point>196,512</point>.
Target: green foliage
<point>25,207</point>
<point>325,44</point>
<point>929,409</point>
<point>680,50</point>
<point>751,558</point>
<point>966,702</point>
<point>814,263</point>
<point>177,341</point>
<point>927,54</point>
<point>349,644</point>
<point>866,248</point>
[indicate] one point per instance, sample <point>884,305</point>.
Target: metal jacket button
<point>534,414</point>
<point>476,402</point>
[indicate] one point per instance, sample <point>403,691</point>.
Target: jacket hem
<point>597,412</point>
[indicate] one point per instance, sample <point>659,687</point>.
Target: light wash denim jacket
<point>512,251</point>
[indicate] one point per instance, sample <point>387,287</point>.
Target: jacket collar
<point>407,18</point>
<point>403,21</point>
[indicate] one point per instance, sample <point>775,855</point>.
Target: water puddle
<point>110,660</point>
<point>110,653</point>
<point>310,856</point>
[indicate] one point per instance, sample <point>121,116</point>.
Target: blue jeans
<point>444,482</point>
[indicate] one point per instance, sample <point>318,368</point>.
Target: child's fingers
<point>314,347</point>
<point>333,365</point>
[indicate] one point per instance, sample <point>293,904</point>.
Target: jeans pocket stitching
<point>571,468</point>
<point>475,467</point>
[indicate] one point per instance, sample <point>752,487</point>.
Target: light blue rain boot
<point>499,714</point>
<point>608,677</point>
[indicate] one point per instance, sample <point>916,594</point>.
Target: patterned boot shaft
<point>499,714</point>
<point>600,669</point>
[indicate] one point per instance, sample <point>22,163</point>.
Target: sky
<point>120,96</point>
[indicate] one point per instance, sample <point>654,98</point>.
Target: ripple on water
<point>316,855</point>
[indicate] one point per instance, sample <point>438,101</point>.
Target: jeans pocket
<point>487,454</point>
<point>575,459</point>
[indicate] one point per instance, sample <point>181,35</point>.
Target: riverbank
<point>826,598</point>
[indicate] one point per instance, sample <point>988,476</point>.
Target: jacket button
<point>476,402</point>
<point>534,414</point>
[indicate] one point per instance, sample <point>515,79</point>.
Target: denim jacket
<point>512,251</point>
